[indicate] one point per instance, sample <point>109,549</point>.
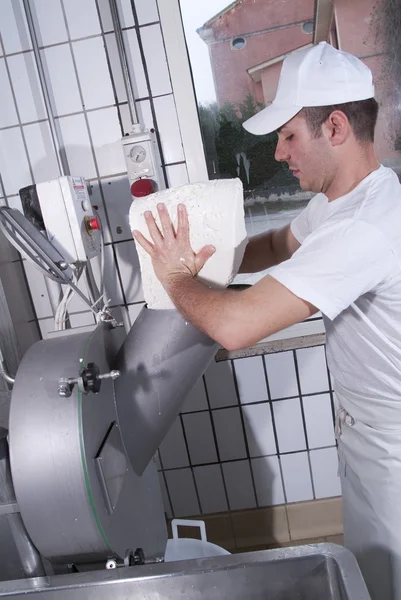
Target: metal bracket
<point>9,509</point>
<point>130,559</point>
<point>89,380</point>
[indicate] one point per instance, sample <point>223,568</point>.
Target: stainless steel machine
<point>88,413</point>
<point>81,513</point>
<point>79,488</point>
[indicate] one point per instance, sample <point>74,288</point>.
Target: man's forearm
<point>210,310</point>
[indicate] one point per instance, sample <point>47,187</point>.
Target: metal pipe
<point>8,341</point>
<point>94,293</point>
<point>5,375</point>
<point>124,63</point>
<point>55,293</point>
<point>54,290</point>
<point>60,154</point>
<point>18,556</point>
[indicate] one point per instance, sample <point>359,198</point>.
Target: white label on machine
<point>78,183</point>
<point>66,208</point>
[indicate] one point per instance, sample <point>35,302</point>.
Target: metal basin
<point>314,572</point>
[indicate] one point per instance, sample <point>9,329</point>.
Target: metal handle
<point>33,245</point>
<point>5,374</point>
<point>112,375</point>
<point>89,381</point>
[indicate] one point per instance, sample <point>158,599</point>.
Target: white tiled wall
<point>259,429</point>
<point>254,432</point>
<point>239,485</point>
<point>251,379</point>
<point>207,478</point>
<point>297,477</point>
<point>270,449</point>
<point>268,480</point>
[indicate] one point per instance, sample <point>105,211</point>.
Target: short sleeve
<point>300,225</point>
<point>337,263</point>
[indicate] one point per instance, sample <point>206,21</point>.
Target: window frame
<point>187,112</point>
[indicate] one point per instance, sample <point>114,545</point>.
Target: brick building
<point>249,39</point>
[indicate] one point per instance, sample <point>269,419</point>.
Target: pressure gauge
<point>137,154</point>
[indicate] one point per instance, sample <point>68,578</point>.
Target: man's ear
<point>337,128</point>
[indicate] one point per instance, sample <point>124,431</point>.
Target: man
<point>341,255</point>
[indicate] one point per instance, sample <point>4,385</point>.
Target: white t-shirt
<point>348,266</point>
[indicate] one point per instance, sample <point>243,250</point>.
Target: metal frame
<point>188,119</point>
<point>195,577</point>
<point>323,20</point>
<point>124,63</point>
<point>183,89</point>
<point>60,154</point>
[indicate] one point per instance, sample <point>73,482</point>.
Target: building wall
<point>230,66</point>
<point>255,432</point>
<point>356,31</point>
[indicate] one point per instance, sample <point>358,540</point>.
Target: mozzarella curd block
<point>216,216</point>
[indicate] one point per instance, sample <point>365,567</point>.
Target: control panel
<point>143,162</point>
<point>62,209</point>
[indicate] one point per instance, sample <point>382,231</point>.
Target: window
<point>308,27</point>
<point>238,43</point>
<point>231,86</point>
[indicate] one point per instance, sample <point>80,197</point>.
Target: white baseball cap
<point>317,76</point>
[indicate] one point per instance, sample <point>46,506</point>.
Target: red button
<point>95,223</point>
<point>142,187</point>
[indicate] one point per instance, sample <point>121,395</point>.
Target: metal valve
<point>90,380</point>
<point>111,375</point>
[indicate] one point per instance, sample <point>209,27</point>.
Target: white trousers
<point>370,470</point>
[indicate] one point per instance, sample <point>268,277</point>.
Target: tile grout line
<point>93,150</point>
<point>216,441</point>
<point>184,433</point>
<point>304,421</point>
<point>248,456</point>
<point>79,39</point>
<point>287,518</point>
<point>163,472</point>
<point>76,113</point>
<point>236,460</point>
<point>280,466</point>
<point>273,401</point>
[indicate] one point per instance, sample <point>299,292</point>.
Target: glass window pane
<point>236,51</point>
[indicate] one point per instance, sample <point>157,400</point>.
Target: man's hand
<point>171,252</point>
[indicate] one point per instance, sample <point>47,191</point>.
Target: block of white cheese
<point>216,216</point>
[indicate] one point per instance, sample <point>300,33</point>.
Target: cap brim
<point>269,119</point>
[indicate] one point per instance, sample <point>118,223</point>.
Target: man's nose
<point>281,153</point>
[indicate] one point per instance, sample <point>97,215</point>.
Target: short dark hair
<point>362,116</point>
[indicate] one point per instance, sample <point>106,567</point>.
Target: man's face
<point>309,159</point>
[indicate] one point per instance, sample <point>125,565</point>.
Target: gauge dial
<point>137,154</point>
